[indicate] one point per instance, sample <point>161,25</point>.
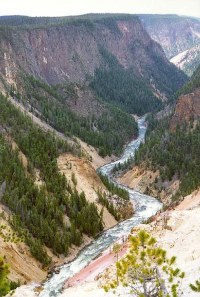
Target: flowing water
<point>146,206</point>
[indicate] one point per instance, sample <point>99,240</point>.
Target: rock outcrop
<point>187,109</point>
<point>188,60</point>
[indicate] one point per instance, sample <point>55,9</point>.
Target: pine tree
<point>147,270</point>
<point>195,287</point>
<point>116,249</point>
<point>4,282</point>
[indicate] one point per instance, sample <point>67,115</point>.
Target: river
<point>146,206</point>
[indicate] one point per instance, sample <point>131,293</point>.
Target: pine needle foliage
<point>195,287</point>
<point>4,282</point>
<point>147,270</point>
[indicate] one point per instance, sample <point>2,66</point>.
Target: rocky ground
<point>180,237</point>
<point>144,181</point>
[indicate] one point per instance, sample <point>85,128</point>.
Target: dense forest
<point>114,188</point>
<point>101,131</point>
<point>40,212</point>
<point>122,88</point>
<point>192,84</point>
<point>90,20</point>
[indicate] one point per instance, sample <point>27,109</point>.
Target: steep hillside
<point>188,60</point>
<point>23,267</point>
<point>192,84</point>
<point>81,50</point>
<point>50,192</point>
<point>168,162</point>
<point>70,52</point>
<point>179,36</point>
<point>175,33</point>
<point>75,113</point>
<point>187,107</point>
<point>72,71</point>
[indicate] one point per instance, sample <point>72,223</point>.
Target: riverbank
<point>98,266</point>
<point>179,237</point>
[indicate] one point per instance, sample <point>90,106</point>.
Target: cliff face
<point>188,60</point>
<point>175,33</point>
<point>188,104</point>
<point>178,36</point>
<point>72,51</point>
<point>187,109</point>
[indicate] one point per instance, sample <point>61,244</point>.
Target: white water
<point>146,206</point>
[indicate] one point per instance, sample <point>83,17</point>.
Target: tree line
<point>114,188</point>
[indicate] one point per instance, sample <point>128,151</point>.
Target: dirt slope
<point>87,181</point>
<point>23,266</point>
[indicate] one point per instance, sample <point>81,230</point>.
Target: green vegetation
<point>41,22</point>
<point>104,200</point>
<point>123,166</point>
<point>7,234</point>
<point>4,282</point>
<point>40,212</point>
<point>195,287</point>
<point>121,87</point>
<point>193,83</point>
<point>174,154</point>
<point>141,269</point>
<point>113,188</point>
<point>100,131</point>
<point>116,249</point>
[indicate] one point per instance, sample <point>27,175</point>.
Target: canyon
<point>73,85</point>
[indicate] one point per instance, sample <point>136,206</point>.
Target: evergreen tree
<point>4,282</point>
<point>196,286</point>
<point>39,212</point>
<point>147,270</point>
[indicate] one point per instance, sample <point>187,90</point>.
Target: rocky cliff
<point>71,51</point>
<point>175,33</point>
<point>187,109</point>
<point>178,36</point>
<point>188,60</point>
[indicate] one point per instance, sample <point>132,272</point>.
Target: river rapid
<point>145,207</point>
